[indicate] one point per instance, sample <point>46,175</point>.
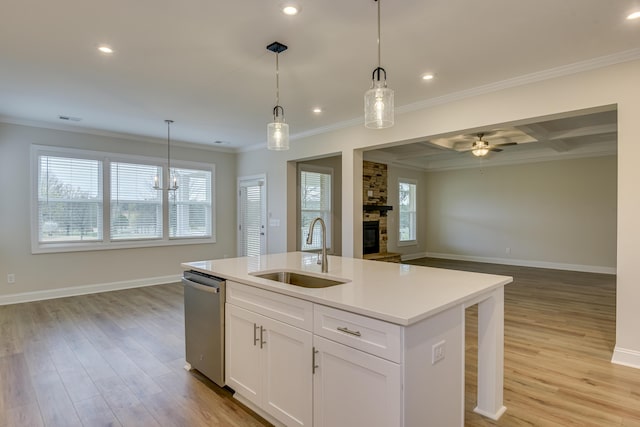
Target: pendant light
<point>173,182</point>
<point>378,100</point>
<point>278,130</point>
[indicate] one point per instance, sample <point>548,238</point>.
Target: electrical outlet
<point>11,278</point>
<point>437,352</point>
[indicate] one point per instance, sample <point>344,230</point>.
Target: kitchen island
<point>385,348</point>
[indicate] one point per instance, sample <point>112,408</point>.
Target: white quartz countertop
<point>397,293</point>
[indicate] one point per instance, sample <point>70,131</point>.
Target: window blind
<point>69,199</point>
<point>315,201</point>
<point>190,204</point>
<point>136,207</point>
<point>407,215</point>
<point>251,207</point>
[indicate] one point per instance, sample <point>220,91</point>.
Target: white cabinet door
<point>352,388</point>
<point>269,364</point>
<point>242,352</point>
<point>288,388</point>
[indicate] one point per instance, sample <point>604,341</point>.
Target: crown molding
<point>110,134</point>
<point>552,73</point>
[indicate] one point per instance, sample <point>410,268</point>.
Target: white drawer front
<point>364,333</point>
<point>292,311</point>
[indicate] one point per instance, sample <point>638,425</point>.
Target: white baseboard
<point>84,290</point>
<point>409,257</point>
<point>626,357</point>
<point>526,263</point>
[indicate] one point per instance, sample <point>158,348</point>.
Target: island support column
<point>491,355</point>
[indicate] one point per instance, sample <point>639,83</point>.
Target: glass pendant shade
<point>278,135</point>
<point>378,106</point>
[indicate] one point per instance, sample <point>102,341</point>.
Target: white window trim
<point>38,247</point>
<point>316,169</point>
<point>407,242</point>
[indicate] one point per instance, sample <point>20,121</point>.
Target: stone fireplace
<point>375,208</point>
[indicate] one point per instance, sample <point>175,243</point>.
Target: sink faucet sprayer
<point>325,262</point>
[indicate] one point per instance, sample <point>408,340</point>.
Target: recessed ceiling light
<point>317,110</point>
<point>427,76</point>
<point>290,9</point>
<point>634,15</point>
<point>105,49</point>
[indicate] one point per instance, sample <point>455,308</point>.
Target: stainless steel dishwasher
<point>204,298</point>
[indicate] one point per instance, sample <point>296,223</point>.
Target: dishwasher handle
<point>200,287</point>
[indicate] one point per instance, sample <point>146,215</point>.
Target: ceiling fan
<point>481,148</point>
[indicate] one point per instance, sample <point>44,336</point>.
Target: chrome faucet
<point>325,261</point>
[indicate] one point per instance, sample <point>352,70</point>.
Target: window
<point>315,201</point>
<point>69,200</point>
<point>87,200</point>
<point>136,207</point>
<point>407,211</point>
<point>190,204</point>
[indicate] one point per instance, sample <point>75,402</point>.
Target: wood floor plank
<point>16,389</point>
<point>22,416</point>
<point>54,402</point>
<point>94,411</point>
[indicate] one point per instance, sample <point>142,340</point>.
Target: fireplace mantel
<point>372,208</point>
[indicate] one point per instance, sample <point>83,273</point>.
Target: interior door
<point>252,216</point>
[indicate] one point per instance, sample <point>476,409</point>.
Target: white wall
<point>611,85</point>
<point>552,214</point>
<point>46,272</point>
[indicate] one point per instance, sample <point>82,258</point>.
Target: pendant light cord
<point>277,81</point>
<point>169,148</point>
<point>378,1</point>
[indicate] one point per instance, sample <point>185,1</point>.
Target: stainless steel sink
<point>299,279</point>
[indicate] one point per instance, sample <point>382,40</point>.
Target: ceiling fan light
<point>378,106</point>
<point>480,152</point>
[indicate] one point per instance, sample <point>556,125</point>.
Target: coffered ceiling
<point>581,134</point>
<point>205,65</point>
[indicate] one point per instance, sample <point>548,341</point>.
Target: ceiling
<point>204,64</point>
<point>574,135</point>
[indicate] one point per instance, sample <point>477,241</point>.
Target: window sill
<point>48,248</point>
<point>408,243</point>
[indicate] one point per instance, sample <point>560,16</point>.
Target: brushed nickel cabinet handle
<point>349,331</point>
<point>255,334</point>
<point>262,341</point>
<point>313,361</point>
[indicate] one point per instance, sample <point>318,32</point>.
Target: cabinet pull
<point>313,361</point>
<point>349,331</point>
<point>255,335</point>
<point>262,341</point>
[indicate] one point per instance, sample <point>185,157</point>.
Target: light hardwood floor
<point>559,339</point>
<point>117,359</point>
<point>107,359</point>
